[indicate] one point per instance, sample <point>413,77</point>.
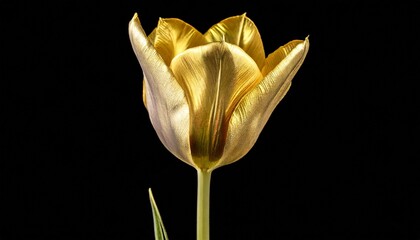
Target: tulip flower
<point>210,95</point>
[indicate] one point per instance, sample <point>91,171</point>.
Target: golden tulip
<point>210,95</point>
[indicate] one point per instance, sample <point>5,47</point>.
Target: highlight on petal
<point>144,92</point>
<point>277,56</point>
<point>214,77</point>
<point>241,31</point>
<point>253,112</point>
<point>166,103</point>
<point>173,36</point>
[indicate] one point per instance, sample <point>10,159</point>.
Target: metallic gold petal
<point>174,36</point>
<point>152,37</point>
<point>241,31</point>
<point>254,110</point>
<point>277,56</point>
<point>214,77</point>
<point>144,95</point>
<point>166,103</point>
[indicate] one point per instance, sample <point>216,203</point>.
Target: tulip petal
<point>152,37</point>
<point>277,56</point>
<point>241,31</point>
<point>253,112</point>
<point>166,103</point>
<point>144,95</point>
<point>214,77</point>
<point>173,36</point>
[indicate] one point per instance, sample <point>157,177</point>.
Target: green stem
<point>203,205</point>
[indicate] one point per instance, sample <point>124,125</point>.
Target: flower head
<point>210,95</point>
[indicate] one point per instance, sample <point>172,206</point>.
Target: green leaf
<point>160,232</point>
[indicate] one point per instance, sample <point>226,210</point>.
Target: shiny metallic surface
<point>210,95</point>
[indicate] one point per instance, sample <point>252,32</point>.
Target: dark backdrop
<point>338,158</point>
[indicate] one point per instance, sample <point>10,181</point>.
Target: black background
<point>338,158</point>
